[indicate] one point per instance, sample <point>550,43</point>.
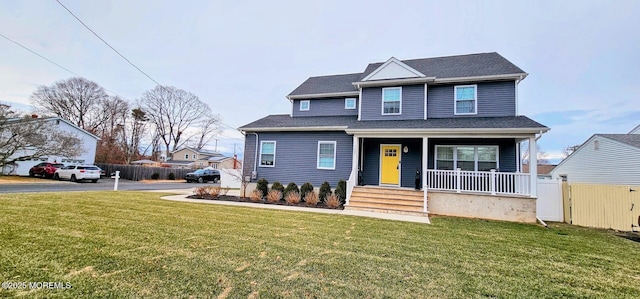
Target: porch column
<point>533,166</point>
<point>425,165</point>
<point>353,178</point>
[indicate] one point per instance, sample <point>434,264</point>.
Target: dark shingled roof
<point>327,84</point>
<point>630,139</point>
<point>471,65</point>
<point>351,122</point>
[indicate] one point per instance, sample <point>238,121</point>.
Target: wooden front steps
<point>393,200</point>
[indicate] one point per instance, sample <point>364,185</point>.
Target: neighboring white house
<point>89,144</point>
<point>604,159</point>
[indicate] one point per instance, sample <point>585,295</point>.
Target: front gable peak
<point>393,69</point>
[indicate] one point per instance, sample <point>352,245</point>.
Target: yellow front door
<point>390,165</point>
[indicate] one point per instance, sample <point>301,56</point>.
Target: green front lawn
<point>132,244</point>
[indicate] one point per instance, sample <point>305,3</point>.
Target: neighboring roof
<point>143,162</point>
<point>203,152</point>
<point>449,67</point>
<point>459,66</point>
<point>542,168</point>
<point>328,84</point>
<point>340,123</point>
<point>52,119</point>
<point>629,139</point>
<point>635,130</point>
<point>178,162</point>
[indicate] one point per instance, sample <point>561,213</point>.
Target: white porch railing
<point>350,184</point>
<point>479,181</point>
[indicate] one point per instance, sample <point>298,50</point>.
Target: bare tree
<point>207,131</point>
<point>23,137</point>
<point>77,100</point>
<point>173,112</point>
<point>541,154</point>
<point>569,150</point>
<point>130,134</point>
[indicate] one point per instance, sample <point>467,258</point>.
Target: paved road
<point>103,184</point>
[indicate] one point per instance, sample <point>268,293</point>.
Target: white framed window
<point>194,156</point>
<point>350,103</point>
<point>304,105</point>
<point>326,155</point>
<point>392,101</point>
<point>467,157</point>
<point>186,156</point>
<point>466,99</point>
<point>267,153</point>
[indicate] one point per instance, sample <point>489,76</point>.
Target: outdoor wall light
<point>405,149</point>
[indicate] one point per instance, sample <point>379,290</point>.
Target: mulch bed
<point>320,205</point>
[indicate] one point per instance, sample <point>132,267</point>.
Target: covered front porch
<point>476,168</point>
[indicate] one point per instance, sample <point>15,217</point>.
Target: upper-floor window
<point>267,153</point>
<point>466,99</point>
<point>186,156</point>
<point>195,156</point>
<point>350,103</point>
<point>326,155</point>
<point>392,100</point>
<point>472,158</point>
<point>304,105</point>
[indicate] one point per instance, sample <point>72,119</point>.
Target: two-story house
<point>189,157</point>
<point>450,122</point>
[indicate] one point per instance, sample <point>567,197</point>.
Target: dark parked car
<point>45,169</point>
<point>203,175</point>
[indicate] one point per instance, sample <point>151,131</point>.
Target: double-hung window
<point>467,157</point>
<point>326,155</point>
<point>392,100</point>
<point>466,99</point>
<point>304,105</point>
<point>267,153</point>
<point>350,103</point>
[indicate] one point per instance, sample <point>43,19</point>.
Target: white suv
<point>76,173</point>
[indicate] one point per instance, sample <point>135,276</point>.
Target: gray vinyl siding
<point>412,103</point>
<point>506,150</point>
<point>296,157</point>
<point>324,107</point>
<point>494,99</point>
<point>612,163</point>
<point>410,161</point>
<point>249,157</point>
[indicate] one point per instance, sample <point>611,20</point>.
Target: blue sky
<point>244,58</point>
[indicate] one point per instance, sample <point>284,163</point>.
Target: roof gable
<point>635,130</point>
<point>393,69</point>
<point>631,141</point>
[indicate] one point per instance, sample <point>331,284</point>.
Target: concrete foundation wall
<point>506,208</point>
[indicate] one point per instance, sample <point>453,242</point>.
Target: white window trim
<point>335,150</point>
<point>475,99</point>
<point>475,155</point>
<point>347,107</point>
<point>186,156</point>
<point>274,153</point>
<point>382,101</point>
<point>308,105</point>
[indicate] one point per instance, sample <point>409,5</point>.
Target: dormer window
<point>466,99</point>
<point>350,103</point>
<point>304,105</point>
<point>392,101</point>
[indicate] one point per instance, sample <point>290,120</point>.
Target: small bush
<point>292,197</point>
<point>171,176</point>
<point>291,188</point>
<point>263,186</point>
<point>311,198</point>
<point>341,191</point>
<point>201,191</point>
<point>274,196</point>
<point>304,189</point>
<point>277,186</point>
<point>325,191</point>
<point>332,201</point>
<point>256,195</point>
<point>155,176</point>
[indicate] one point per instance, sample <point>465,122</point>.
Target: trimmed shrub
<point>274,196</point>
<point>311,198</point>
<point>256,195</point>
<point>332,201</point>
<point>292,197</point>
<point>155,176</point>
<point>306,188</point>
<point>292,187</point>
<point>201,191</point>
<point>325,191</point>
<point>171,176</point>
<point>263,186</point>
<point>277,186</point>
<point>341,191</point>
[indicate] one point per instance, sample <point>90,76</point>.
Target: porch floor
<point>382,199</point>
